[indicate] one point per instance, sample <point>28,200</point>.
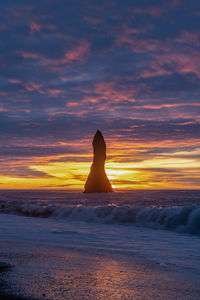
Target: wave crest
<point>181,219</point>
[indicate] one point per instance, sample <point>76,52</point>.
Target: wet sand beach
<point>4,288</point>
<point>51,259</point>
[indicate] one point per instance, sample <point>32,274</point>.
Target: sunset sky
<point>128,68</point>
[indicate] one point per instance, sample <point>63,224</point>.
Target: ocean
<point>137,245</point>
<point>177,210</point>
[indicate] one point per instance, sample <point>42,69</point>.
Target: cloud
<point>34,27</point>
<point>129,69</point>
<point>14,80</point>
<point>77,54</point>
<point>23,171</point>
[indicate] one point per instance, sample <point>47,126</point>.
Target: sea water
<point>177,210</point>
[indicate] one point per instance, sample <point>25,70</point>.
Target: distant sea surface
<point>177,210</point>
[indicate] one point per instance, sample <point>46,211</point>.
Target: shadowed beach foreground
<point>4,288</point>
<point>52,259</point>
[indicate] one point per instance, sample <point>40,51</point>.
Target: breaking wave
<point>181,219</point>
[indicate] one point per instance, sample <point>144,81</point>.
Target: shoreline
<point>55,259</point>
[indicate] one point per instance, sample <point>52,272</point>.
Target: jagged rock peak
<point>98,138</point>
<point>97,180</point>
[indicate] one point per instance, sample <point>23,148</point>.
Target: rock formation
<point>97,181</point>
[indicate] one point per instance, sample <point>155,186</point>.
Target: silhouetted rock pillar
<point>97,181</point>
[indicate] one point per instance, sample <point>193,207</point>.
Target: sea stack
<point>97,181</point>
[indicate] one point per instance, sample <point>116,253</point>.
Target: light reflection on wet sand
<point>80,275</point>
<point>53,259</point>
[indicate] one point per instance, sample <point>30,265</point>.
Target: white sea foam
<point>182,219</point>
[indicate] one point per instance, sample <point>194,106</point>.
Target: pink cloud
<point>31,55</point>
<point>94,21</point>
<point>107,93</point>
<point>34,27</point>
<point>131,30</point>
<point>78,113</point>
<point>14,80</point>
<point>78,53</point>
<point>73,55</point>
<point>151,11</point>
<point>128,38</point>
<point>4,94</point>
<point>156,71</point>
<point>167,105</point>
<point>30,87</point>
<point>72,104</point>
<point>182,62</point>
<point>175,3</point>
<point>54,92</point>
<point>3,109</point>
<point>64,78</point>
<point>26,110</point>
<point>50,26</point>
<point>188,37</point>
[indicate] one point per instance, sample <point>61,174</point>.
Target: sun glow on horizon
<point>162,172</point>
